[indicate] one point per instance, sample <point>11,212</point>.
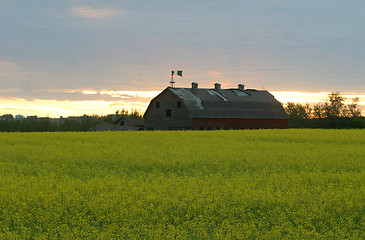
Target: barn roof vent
<point>241,87</point>
<point>194,85</point>
<point>217,86</point>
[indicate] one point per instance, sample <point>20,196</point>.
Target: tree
<point>353,110</point>
<point>296,111</point>
<point>319,110</point>
<point>133,114</point>
<point>7,116</point>
<point>335,106</point>
<point>308,110</point>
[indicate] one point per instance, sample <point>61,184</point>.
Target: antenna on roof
<point>172,82</point>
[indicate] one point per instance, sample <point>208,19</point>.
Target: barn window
<point>168,112</point>
<point>157,104</point>
<point>178,104</point>
<point>122,123</point>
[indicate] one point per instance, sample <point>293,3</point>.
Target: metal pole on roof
<point>172,82</point>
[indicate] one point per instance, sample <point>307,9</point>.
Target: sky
<point>70,57</point>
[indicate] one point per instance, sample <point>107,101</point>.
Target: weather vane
<point>172,82</point>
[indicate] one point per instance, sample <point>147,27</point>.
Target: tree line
<point>8,123</point>
<point>333,113</point>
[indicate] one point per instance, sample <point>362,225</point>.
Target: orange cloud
<point>88,12</point>
<point>214,74</point>
<point>6,68</point>
<point>7,64</point>
<point>121,94</point>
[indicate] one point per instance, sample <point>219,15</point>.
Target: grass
<point>259,184</point>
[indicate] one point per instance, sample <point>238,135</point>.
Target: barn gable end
<point>167,111</point>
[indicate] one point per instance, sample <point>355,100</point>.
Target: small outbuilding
<point>124,123</point>
<point>128,122</point>
<point>214,108</point>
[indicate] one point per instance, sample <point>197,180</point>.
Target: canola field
<point>244,184</point>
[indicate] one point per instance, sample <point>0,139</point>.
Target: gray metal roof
<point>104,126</point>
<point>191,101</point>
<point>135,122</point>
<point>230,103</point>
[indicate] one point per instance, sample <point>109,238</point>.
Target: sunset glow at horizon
<point>66,108</point>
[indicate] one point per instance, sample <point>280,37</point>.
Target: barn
<point>214,108</point>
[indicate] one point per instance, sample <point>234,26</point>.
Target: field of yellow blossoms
<point>244,184</point>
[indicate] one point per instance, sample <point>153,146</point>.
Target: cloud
<point>131,94</point>
<point>7,68</point>
<point>79,95</point>
<point>7,64</point>
<point>103,13</point>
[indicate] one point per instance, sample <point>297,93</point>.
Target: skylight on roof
<point>212,92</point>
<point>241,93</point>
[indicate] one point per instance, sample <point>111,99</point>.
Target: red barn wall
<point>234,123</point>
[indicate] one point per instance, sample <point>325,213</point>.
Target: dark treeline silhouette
<point>333,113</point>
<point>8,123</point>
